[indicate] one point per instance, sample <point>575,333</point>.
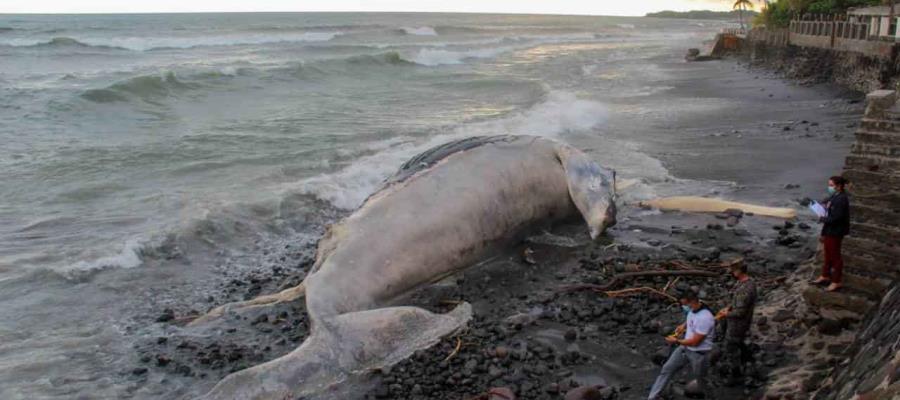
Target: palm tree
<point>741,5</point>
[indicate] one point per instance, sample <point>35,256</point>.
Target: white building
<point>878,18</point>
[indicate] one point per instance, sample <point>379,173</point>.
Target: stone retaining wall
<point>872,263</point>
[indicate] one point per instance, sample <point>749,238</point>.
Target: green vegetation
<point>699,14</point>
<point>742,5</point>
<point>778,13</point>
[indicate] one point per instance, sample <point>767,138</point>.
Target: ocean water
<point>144,158</point>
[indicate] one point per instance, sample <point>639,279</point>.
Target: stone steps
<point>885,126</point>
<point>872,163</point>
<point>870,287</point>
<point>876,231</point>
<point>878,136</point>
<point>872,250</point>
<point>877,214</point>
<point>845,299</point>
<point>869,264</point>
<point>866,178</point>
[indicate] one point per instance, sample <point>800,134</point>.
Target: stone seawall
<point>871,367</point>
<point>872,371</point>
<point>812,65</point>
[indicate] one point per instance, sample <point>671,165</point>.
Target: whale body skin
<point>440,214</point>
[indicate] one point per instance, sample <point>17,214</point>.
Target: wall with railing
<point>839,34</point>
<point>771,37</point>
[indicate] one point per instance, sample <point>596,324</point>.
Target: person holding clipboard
<point>835,215</point>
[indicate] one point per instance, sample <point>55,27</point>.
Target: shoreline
<point>499,354</point>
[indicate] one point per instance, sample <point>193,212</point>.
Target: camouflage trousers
<point>737,352</point>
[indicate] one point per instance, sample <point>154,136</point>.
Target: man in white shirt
<point>699,332</point>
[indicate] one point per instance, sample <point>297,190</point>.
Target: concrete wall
<point>822,42</point>
<point>874,48</point>
<point>865,38</point>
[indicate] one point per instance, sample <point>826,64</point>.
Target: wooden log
<point>703,204</point>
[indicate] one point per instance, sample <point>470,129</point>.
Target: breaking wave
<point>559,113</point>
<point>419,31</point>
<point>435,57</point>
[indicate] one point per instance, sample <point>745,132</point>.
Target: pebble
<point>166,316</point>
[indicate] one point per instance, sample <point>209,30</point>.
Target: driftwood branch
<point>455,350</point>
<point>640,274</point>
<point>630,291</point>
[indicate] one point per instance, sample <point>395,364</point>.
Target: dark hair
<point>689,295</point>
<point>839,180</point>
<point>739,266</point>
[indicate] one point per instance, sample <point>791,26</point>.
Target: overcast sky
<point>590,7</point>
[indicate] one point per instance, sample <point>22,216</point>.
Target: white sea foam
<point>435,57</point>
<point>559,113</point>
<point>128,257</point>
<point>419,31</point>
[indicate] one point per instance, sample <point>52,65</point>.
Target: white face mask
<point>686,309</point>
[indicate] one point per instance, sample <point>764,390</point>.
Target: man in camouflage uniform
<point>738,316</point>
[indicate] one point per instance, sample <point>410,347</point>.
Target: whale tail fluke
<point>340,347</point>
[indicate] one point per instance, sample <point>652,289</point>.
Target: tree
<point>741,5</point>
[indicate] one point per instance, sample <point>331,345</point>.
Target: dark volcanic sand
<point>757,142</point>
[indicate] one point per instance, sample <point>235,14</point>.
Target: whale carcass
<point>438,215</point>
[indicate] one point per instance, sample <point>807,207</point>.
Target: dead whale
<point>438,215</point>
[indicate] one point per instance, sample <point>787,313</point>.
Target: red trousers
<point>834,264</point>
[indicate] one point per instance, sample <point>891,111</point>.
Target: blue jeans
<point>680,357</point>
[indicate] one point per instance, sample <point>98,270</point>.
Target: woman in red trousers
<point>837,225</point>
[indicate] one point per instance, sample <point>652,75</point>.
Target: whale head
<point>592,189</point>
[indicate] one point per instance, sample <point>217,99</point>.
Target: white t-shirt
<point>704,323</point>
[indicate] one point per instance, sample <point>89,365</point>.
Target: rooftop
<point>874,10</point>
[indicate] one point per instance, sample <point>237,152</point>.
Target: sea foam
<point>561,112</point>
<point>419,31</point>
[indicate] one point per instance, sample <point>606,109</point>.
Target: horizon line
<point>341,12</point>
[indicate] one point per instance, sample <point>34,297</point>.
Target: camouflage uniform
<point>738,326</point>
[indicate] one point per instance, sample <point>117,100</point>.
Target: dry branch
<point>455,350</point>
<point>640,274</point>
<point>623,292</point>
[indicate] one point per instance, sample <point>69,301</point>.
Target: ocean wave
<point>435,57</point>
<point>128,257</point>
<point>156,44</point>
<point>63,42</point>
<point>168,43</point>
<point>557,114</point>
<point>419,31</point>
<point>4,29</point>
<point>145,87</point>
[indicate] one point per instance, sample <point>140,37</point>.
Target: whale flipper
<point>243,307</point>
<point>591,187</point>
<point>341,346</point>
